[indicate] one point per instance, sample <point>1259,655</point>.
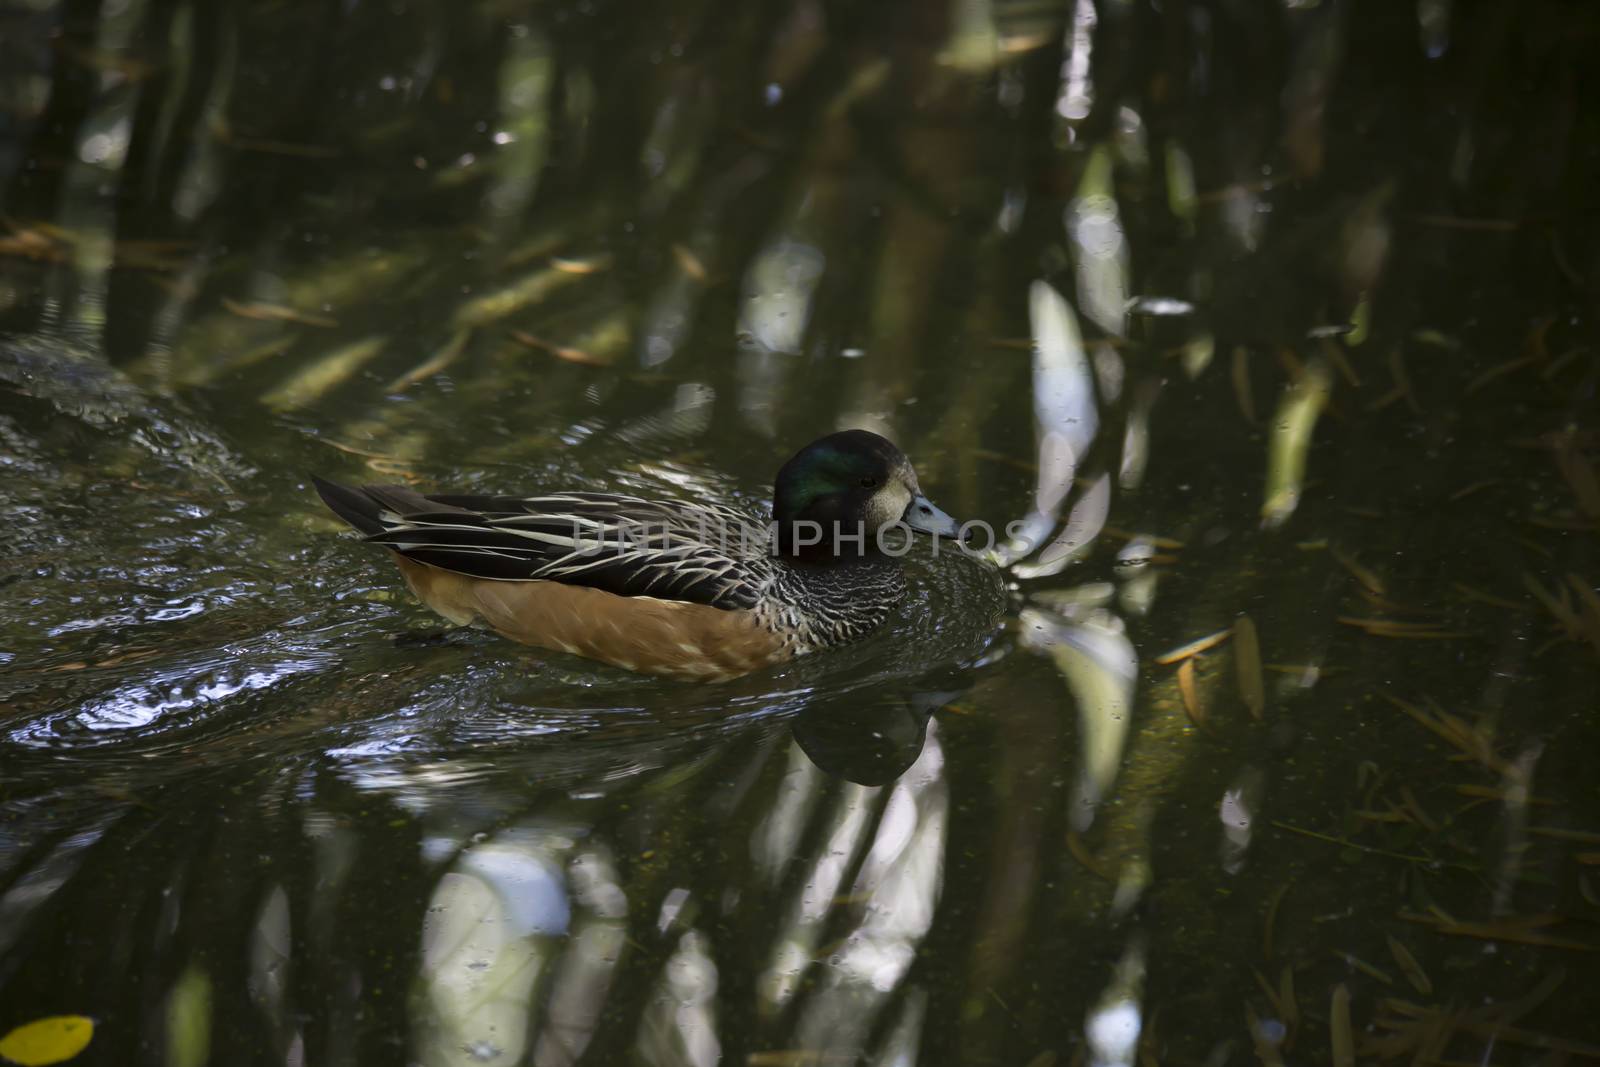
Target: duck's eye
<point>868,482</point>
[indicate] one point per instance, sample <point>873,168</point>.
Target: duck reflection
<point>529,928</point>
<point>872,742</point>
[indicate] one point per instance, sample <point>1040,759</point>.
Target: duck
<point>691,590</point>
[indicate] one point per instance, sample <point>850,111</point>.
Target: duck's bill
<point>922,515</point>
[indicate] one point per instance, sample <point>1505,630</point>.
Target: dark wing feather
<point>627,545</point>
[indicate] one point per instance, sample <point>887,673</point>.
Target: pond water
<point>1271,323</point>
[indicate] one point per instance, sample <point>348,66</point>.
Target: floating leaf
<point>189,1019</point>
<point>1296,419</point>
<point>1100,249</point>
<point>529,290</point>
<point>1182,199</point>
<point>1190,693</point>
<point>1194,648</point>
<point>49,1040</point>
<point>328,372</point>
<point>1100,667</point>
<point>1341,1036</point>
<point>1247,666</point>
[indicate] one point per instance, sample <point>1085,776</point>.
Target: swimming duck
<point>695,591</point>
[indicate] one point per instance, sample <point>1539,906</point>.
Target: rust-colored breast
<point>671,637</point>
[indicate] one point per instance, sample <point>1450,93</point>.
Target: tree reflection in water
<point>526,929</point>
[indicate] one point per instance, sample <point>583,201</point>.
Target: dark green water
<point>251,813</point>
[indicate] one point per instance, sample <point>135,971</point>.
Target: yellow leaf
<point>48,1040</point>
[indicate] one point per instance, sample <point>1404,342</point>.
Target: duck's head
<point>849,482</point>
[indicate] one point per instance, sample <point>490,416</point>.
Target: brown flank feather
<point>694,642</point>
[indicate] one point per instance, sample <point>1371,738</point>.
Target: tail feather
<point>351,504</point>
<point>363,505</point>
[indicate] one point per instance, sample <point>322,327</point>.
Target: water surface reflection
<point>1266,734</point>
